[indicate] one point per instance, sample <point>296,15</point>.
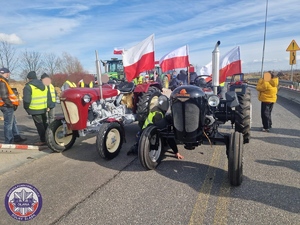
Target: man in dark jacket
<point>36,101</point>
<point>8,104</point>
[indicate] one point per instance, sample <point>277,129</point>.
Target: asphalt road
<point>78,187</point>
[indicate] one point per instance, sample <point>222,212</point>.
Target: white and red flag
<point>178,58</point>
<point>230,64</point>
<point>118,51</point>
<point>139,58</point>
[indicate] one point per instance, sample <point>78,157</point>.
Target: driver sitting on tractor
<point>157,116</point>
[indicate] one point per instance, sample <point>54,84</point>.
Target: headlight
<point>86,98</point>
<point>213,100</point>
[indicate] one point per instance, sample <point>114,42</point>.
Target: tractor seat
<point>126,86</point>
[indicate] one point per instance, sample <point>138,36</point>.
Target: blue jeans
<point>10,124</point>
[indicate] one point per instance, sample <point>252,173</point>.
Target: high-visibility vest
<point>90,84</point>
<point>150,118</point>
<point>52,92</point>
<point>38,98</point>
<point>71,84</point>
<point>11,95</point>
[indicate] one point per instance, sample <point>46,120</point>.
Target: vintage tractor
<point>104,111</point>
<point>197,112</point>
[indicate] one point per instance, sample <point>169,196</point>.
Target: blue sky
<point>80,27</point>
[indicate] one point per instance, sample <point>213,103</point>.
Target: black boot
<point>19,139</point>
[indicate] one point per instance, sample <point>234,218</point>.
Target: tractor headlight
<point>213,100</point>
<point>86,98</point>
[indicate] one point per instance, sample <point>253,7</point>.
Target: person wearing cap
<point>9,102</point>
<point>48,83</point>
<point>36,102</point>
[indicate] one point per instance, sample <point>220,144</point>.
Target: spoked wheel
<point>235,159</point>
<point>109,140</point>
<point>58,140</point>
<point>150,149</point>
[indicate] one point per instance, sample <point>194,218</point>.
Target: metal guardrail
<point>282,83</point>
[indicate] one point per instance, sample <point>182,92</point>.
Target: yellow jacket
<point>267,90</point>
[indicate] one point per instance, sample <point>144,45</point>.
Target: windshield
<point>115,66</point>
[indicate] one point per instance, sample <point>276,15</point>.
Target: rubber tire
<point>235,159</point>
<point>149,159</point>
<point>105,132</point>
<point>243,115</point>
<point>54,142</point>
<point>165,82</point>
<point>145,102</point>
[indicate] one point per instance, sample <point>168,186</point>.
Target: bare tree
<point>51,63</point>
<point>7,56</point>
<point>31,61</point>
<point>70,64</point>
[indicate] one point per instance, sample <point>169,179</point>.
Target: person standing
<point>48,83</point>
<point>69,83</point>
<point>268,96</point>
<point>87,81</point>
<point>36,101</point>
<point>9,103</point>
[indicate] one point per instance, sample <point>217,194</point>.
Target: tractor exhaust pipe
<point>98,68</point>
<point>216,68</point>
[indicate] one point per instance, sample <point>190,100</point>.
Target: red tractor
<point>103,111</point>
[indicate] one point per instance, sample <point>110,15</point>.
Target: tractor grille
<point>70,111</point>
<point>186,116</point>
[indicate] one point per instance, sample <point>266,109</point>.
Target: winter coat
<point>267,90</point>
<point>27,97</point>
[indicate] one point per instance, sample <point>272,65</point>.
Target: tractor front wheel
<point>58,139</point>
<point>150,149</point>
<point>109,140</point>
<point>235,159</point>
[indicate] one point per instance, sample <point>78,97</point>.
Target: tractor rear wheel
<point>146,101</point>
<point>243,115</point>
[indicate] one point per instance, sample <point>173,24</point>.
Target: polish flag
<point>139,58</point>
<point>230,64</point>
<point>118,51</point>
<point>178,58</point>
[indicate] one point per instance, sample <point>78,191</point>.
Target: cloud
<point>11,38</point>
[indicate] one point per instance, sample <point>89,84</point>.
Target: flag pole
<point>188,68</point>
<point>264,44</point>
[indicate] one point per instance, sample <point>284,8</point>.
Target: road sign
<point>292,57</point>
<point>293,46</point>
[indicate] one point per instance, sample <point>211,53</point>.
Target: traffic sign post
<point>292,48</point>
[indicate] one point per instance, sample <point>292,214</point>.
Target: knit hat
<point>4,70</point>
<point>44,76</point>
<point>32,75</point>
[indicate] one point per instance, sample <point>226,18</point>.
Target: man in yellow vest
<point>36,101</point>
<point>69,83</point>
<point>48,83</point>
<point>9,102</point>
<point>87,81</point>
